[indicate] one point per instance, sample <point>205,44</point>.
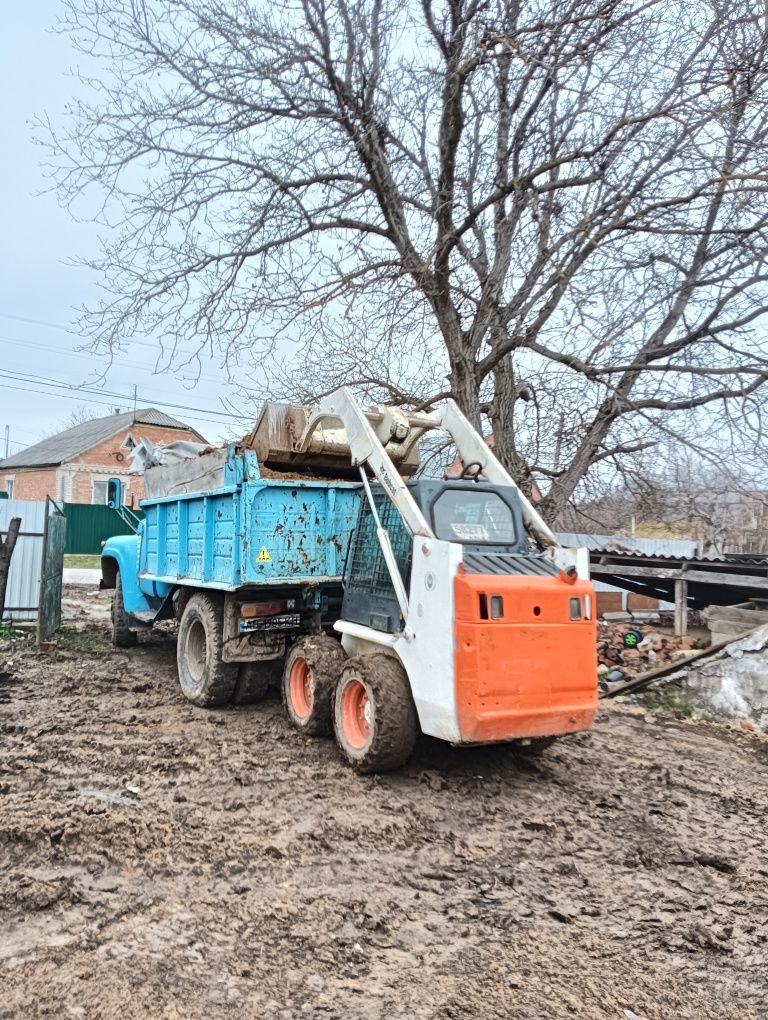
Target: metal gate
<point>34,582</point>
<point>49,602</point>
<point>88,527</point>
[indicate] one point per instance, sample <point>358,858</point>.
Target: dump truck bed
<point>247,531</point>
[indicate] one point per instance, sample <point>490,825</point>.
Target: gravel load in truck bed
<point>159,860</point>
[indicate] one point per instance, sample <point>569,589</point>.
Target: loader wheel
<point>374,717</point>
<point>122,635</point>
<point>254,680</point>
<point>205,680</point>
<point>312,667</point>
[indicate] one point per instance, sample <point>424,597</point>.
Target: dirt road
<point>162,861</point>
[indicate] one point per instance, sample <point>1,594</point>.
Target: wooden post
<point>6,551</point>
<point>681,607</point>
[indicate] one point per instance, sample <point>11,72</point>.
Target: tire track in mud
<point>164,861</point>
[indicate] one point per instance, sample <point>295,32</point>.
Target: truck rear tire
<point>254,680</point>
<point>312,667</point>
<point>205,679</point>
<point>374,717</point>
<point>122,635</point>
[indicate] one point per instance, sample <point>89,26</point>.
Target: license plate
<point>284,621</point>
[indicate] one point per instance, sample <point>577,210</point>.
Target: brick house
<point>75,466</point>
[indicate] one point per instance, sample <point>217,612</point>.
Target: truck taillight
<point>251,610</point>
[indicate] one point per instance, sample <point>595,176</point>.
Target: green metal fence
<point>89,526</point>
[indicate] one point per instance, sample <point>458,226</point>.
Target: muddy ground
<point>162,861</point>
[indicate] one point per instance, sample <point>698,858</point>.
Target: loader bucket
<point>285,438</point>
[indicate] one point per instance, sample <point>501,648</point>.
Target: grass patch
<point>70,639</point>
<point>666,702</point>
<point>11,638</point>
<point>79,562</point>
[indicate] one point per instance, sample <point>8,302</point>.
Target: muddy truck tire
<point>205,679</point>
<point>254,680</point>
<point>374,718</point>
<point>122,635</point>
<point>312,667</point>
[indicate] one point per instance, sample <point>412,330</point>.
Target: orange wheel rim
<point>300,682</point>
<point>356,714</point>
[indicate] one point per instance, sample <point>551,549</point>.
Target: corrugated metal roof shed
<point>22,593</point>
<point>73,442</point>
<point>678,547</point>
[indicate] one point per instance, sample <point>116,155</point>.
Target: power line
<point>103,403</point>
<point>34,322</point>
<point>70,332</point>
<point>29,377</point>
<point>86,354</point>
<point>89,402</point>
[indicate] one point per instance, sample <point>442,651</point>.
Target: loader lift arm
<point>371,435</point>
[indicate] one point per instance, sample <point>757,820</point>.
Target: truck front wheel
<point>374,717</point>
<point>312,667</point>
<point>205,679</point>
<point>122,635</point>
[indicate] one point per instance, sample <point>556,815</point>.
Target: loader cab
<point>481,517</point>
<point>477,515</point>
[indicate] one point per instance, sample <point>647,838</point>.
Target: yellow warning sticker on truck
<point>264,556</point>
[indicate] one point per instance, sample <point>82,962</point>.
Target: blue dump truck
<point>382,604</point>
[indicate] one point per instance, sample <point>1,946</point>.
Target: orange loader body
<point>525,658</point>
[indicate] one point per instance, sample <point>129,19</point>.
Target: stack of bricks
<point>647,647</point>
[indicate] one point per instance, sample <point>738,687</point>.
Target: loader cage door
<point>369,597</point>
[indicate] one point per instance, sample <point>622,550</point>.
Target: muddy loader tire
<point>254,680</point>
<point>122,635</point>
<point>312,667</point>
<point>374,718</point>
<point>205,680</point>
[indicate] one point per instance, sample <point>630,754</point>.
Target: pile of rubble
<point>629,649</point>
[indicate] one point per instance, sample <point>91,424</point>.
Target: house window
<point>128,442</point>
<point>99,494</point>
<point>9,486</point>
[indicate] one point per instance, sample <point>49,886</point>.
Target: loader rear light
<point>496,605</point>
<point>580,608</point>
<point>251,610</point>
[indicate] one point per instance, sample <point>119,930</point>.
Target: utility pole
<point>134,401</point>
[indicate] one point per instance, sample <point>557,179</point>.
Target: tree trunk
<point>6,551</point>
<point>464,386</point>
<point>503,425</point>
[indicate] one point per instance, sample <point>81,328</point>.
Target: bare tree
<point>79,416</point>
<point>553,210</point>
<point>7,545</point>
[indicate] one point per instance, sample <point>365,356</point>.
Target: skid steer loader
<point>462,617</point>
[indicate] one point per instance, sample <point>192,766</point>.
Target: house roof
<point>71,443</point>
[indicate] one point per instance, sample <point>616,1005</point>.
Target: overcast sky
<point>39,292</point>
